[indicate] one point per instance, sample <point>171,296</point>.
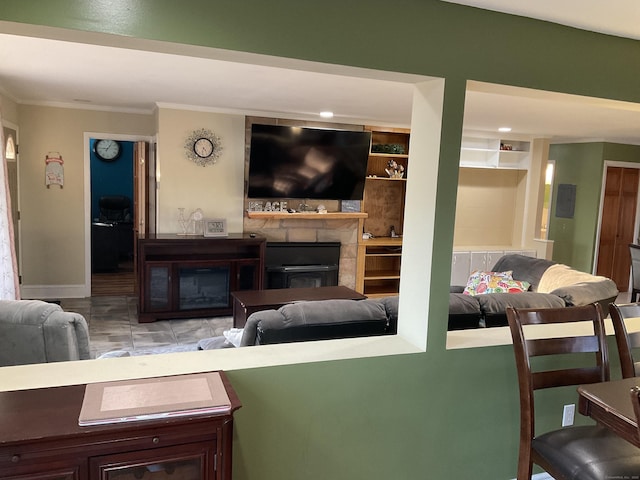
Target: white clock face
<point>203,147</point>
<point>107,149</point>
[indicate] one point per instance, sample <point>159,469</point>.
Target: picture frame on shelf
<point>215,227</point>
<point>350,206</point>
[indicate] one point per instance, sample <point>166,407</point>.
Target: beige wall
<point>489,207</point>
<point>53,224</point>
<point>8,109</point>
<point>53,227</point>
<point>217,189</point>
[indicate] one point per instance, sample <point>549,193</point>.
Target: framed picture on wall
<point>215,227</point>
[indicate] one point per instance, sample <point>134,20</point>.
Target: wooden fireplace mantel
<point>307,215</point>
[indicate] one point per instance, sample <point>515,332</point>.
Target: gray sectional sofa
<point>551,285</point>
<point>314,320</point>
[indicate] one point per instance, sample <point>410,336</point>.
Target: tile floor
<point>113,325</point>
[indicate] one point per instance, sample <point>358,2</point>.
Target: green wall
<point>441,414</point>
<point>582,164</point>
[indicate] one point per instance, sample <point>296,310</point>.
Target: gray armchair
<point>33,331</point>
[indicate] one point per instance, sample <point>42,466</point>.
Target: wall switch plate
<point>568,413</point>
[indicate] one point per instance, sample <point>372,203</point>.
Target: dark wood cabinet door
<point>158,296</point>
<point>192,461</point>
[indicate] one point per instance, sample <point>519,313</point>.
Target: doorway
<point>112,200</point>
<point>111,217</point>
<point>618,223</point>
<point>11,157</point>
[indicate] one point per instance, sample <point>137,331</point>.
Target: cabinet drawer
<point>54,470</point>
<point>140,438</point>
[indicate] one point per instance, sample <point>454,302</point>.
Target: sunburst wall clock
<point>203,147</point>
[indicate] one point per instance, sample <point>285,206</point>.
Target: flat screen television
<point>307,163</point>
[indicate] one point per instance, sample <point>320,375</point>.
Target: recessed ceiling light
<point>504,129</point>
<point>326,114</point>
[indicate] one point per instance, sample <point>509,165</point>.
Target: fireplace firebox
<point>302,264</point>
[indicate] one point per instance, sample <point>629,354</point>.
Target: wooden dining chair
<point>588,452</point>
<point>625,340</point>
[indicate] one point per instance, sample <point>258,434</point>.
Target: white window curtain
<point>9,285</point>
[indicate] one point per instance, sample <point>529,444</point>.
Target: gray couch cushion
<point>328,311</point>
<point>587,292</point>
<point>250,334</point>
<point>524,268</point>
<point>463,304</point>
<point>498,302</point>
<point>33,331</point>
<point>313,313</point>
<point>391,307</point>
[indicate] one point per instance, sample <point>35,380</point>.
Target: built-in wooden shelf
<point>382,242</point>
<point>307,215</point>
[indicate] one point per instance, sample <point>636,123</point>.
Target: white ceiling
<point>614,17</point>
<point>135,75</point>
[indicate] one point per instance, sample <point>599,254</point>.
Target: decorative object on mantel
<point>215,227</point>
<point>321,209</point>
<point>255,206</point>
<point>53,170</point>
<point>394,170</point>
<point>194,225</point>
<point>350,206</point>
<point>203,147</point>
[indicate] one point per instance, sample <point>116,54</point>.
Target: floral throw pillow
<point>494,282</point>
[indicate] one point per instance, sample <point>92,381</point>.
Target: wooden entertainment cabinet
<point>193,277</point>
<point>40,440</point>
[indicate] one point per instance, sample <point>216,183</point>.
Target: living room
<point>292,400</point>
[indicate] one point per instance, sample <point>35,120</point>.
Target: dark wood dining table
<point>609,404</point>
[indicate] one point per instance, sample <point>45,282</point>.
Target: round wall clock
<point>203,147</point>
<point>107,150</point>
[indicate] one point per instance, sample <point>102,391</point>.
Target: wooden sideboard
<point>193,277</point>
<point>40,440</point>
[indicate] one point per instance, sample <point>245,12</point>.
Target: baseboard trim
<point>53,291</point>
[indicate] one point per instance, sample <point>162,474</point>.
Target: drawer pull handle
<point>156,440</point>
<point>15,458</point>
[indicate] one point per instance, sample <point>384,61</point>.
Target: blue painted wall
<point>111,178</point>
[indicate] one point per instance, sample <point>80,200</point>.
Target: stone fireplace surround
<point>322,229</point>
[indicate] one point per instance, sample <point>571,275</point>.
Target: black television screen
<point>309,163</point>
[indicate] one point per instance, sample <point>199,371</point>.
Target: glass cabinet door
<point>183,462</point>
<point>159,286</point>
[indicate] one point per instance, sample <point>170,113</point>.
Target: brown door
<point>617,227</point>
<point>144,210</point>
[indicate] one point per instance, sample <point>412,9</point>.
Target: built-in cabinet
<point>379,255</point>
<point>193,277</point>
<point>479,152</point>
